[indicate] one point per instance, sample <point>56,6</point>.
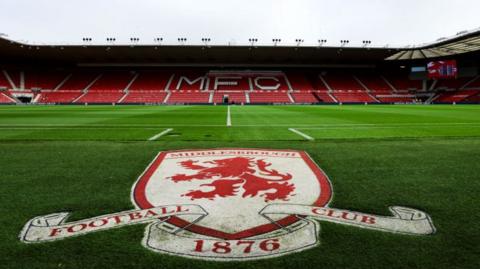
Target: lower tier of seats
<point>5,99</point>
<point>193,97</point>
<point>101,97</point>
<point>269,97</point>
<point>395,98</point>
<point>141,97</point>
<point>456,96</point>
<point>353,97</point>
<point>59,97</point>
<point>233,97</point>
<point>238,97</point>
<point>305,97</point>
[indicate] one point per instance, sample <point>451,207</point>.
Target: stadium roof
<point>14,52</point>
<point>463,42</point>
<point>191,55</point>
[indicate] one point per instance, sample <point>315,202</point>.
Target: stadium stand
<point>47,80</point>
<point>4,82</point>
<point>62,96</point>
<point>15,77</point>
<point>147,87</point>
<point>474,84</point>
<point>195,86</point>
<point>109,87</point>
<point>473,98</point>
<point>70,89</point>
<point>266,97</point>
<point>233,97</point>
<point>187,81</point>
<point>228,83</point>
<point>6,99</point>
<point>305,97</point>
<point>79,81</point>
<point>402,83</point>
<point>375,83</point>
<point>381,90</point>
<point>188,97</point>
<point>458,83</point>
<point>456,96</point>
<point>143,97</point>
<point>347,89</point>
<point>149,81</point>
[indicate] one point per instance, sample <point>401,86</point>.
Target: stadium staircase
<point>6,81</point>
<point>6,99</point>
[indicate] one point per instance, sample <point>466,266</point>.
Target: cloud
<point>395,22</point>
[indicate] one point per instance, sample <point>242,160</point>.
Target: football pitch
<point>85,159</point>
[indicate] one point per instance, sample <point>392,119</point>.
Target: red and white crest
<point>233,186</point>
<point>229,204</point>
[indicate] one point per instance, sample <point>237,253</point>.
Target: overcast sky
<point>394,22</point>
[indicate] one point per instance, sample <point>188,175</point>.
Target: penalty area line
<point>157,136</point>
<point>301,134</point>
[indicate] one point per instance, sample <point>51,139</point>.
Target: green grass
<point>85,160</point>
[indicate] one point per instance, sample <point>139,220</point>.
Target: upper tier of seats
<point>112,81</point>
<point>452,83</point>
<point>4,82</point>
<point>14,77</point>
<point>150,81</point>
<point>475,84</point>
<point>375,83</point>
<point>342,82</point>
<point>47,80</point>
<point>403,83</point>
<point>79,81</point>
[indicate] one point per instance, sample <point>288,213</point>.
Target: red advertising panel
<point>442,69</point>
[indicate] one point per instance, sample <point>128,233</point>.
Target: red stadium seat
<point>305,97</point>
<point>455,96</point>
<point>4,82</point>
<point>155,87</point>
<point>143,97</point>
<point>235,97</point>
<point>6,99</point>
<point>189,97</point>
<point>149,81</point>
<point>269,97</point>
<point>48,80</point>
<point>59,96</point>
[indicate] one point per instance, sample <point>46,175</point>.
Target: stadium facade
<point>164,74</point>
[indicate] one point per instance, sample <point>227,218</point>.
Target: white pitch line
<point>301,134</point>
<point>155,137</point>
<point>298,126</point>
<point>229,119</point>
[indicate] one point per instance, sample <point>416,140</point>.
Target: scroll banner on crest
<point>165,238</point>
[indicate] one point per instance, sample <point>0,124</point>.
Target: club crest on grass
<point>230,204</point>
